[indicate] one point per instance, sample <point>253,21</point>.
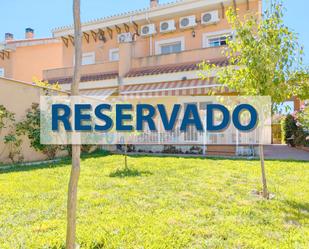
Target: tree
<point>265,59</point>
<point>75,170</point>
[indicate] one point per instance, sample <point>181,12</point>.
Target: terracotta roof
<point>172,68</point>
<point>86,77</point>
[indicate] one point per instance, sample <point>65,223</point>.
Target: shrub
<point>7,120</point>
<point>5,117</point>
<point>30,127</point>
<point>293,133</point>
<point>14,143</point>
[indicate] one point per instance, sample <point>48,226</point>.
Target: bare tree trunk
<point>126,156</point>
<point>76,148</point>
<point>265,191</point>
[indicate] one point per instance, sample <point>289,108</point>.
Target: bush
<point>30,127</point>
<point>12,140</point>
<point>293,133</point>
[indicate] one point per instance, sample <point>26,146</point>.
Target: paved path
<point>279,151</point>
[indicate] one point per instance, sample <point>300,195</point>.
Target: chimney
<point>29,33</point>
<point>154,3</point>
<point>9,37</point>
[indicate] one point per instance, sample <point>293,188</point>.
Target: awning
<point>172,88</point>
<point>101,93</point>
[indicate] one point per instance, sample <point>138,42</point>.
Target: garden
<point>160,202</point>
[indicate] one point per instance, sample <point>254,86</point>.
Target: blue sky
<point>42,16</point>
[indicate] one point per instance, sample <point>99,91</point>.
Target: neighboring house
<point>26,58</point>
<point>154,51</point>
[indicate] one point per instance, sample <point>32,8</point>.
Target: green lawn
<point>171,203</point>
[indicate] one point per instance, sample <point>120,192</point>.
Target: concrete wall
<point>17,97</point>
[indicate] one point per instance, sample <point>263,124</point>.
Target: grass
<point>163,202</point>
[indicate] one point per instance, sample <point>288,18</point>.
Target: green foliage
<point>7,120</point>
<point>5,117</point>
<point>264,58</point>
<point>303,117</point>
<point>14,142</point>
<point>30,126</point>
<point>293,133</point>
<point>184,203</point>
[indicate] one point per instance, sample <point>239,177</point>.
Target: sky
<point>43,16</point>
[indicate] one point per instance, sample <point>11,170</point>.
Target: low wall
<point>17,97</point>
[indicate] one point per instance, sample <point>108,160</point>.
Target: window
<point>88,58</point>
<point>216,39</point>
<point>114,54</point>
<point>1,72</point>
<point>170,46</point>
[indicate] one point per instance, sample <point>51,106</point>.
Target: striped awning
<point>172,88</point>
<point>102,93</point>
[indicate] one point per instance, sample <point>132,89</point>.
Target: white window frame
<point>111,51</point>
<point>2,72</point>
<point>90,54</point>
<point>160,43</point>
<point>211,35</point>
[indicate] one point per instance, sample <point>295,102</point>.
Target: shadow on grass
<point>122,173</point>
<point>296,211</point>
<point>62,162</point>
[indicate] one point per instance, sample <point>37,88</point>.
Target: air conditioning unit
<point>167,26</point>
<point>148,30</point>
<point>125,37</point>
<point>187,22</point>
<point>210,17</point>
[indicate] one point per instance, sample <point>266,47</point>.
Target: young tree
<point>265,59</point>
<point>75,170</point>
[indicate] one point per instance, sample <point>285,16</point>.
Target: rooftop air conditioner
<point>210,17</point>
<point>187,22</point>
<point>148,30</point>
<point>125,37</point>
<point>167,26</point>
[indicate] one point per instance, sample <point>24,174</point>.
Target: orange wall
<point>29,61</point>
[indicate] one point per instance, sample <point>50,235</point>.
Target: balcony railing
<point>195,55</point>
<point>85,70</point>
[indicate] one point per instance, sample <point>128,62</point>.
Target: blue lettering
<point>141,118</point>
<point>64,118</point>
<point>210,117</point>
<point>100,115</point>
<point>121,117</point>
<point>191,117</point>
<point>80,117</point>
<point>253,117</point>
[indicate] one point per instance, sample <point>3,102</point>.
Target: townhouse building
<point>153,51</point>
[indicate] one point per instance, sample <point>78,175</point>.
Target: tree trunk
<point>125,156</point>
<point>265,191</point>
<point>76,148</point>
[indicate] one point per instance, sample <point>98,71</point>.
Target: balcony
<point>109,70</point>
<point>67,72</point>
<point>195,55</point>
